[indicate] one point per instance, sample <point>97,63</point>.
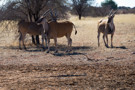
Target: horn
<point>115,12</point>
<point>110,12</point>
<point>45,13</point>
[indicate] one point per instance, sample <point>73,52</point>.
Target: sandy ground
<point>87,67</point>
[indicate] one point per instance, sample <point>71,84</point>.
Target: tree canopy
<point>29,10</point>
<point>110,4</point>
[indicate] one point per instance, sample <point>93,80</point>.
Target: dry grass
<point>8,33</point>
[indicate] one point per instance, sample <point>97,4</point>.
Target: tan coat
<point>60,29</point>
<point>30,27</point>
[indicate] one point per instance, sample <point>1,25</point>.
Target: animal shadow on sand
<point>70,75</point>
<point>10,47</point>
<point>29,48</point>
<point>76,50</point>
<point>120,47</point>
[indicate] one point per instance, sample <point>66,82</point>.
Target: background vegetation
<point>31,10</point>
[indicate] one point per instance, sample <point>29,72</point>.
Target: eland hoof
<point>20,48</point>
<point>107,46</point>
<point>25,48</point>
<point>68,51</point>
<point>43,49</point>
<point>56,51</point>
<point>47,51</point>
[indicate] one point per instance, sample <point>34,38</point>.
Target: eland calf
<point>29,28</point>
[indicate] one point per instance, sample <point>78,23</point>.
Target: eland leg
<point>46,40</point>
<point>56,46</point>
<point>20,41</point>
<point>69,43</point>
<point>112,40</point>
<point>48,45</point>
<point>107,40</point>
<point>98,38</point>
<point>23,38</point>
<point>43,42</point>
<point>104,41</point>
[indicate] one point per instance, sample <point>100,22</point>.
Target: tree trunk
<point>33,40</point>
<point>37,39</point>
<point>35,19</point>
<point>30,19</point>
<point>80,16</point>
